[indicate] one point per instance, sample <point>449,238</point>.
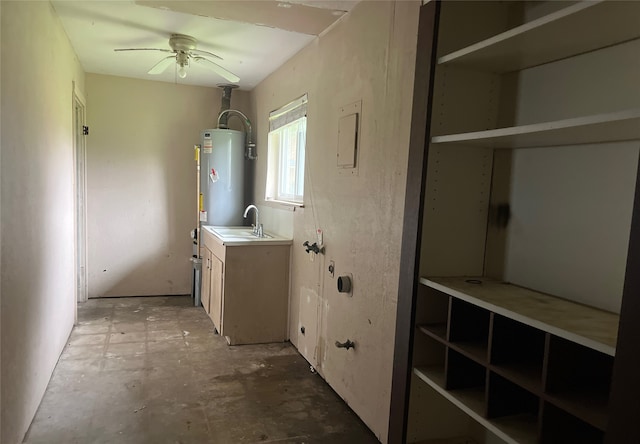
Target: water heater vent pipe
<point>250,150</point>
<point>225,104</point>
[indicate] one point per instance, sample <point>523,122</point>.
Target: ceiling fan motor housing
<point>182,43</point>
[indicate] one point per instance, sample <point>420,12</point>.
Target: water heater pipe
<point>225,104</point>
<point>250,146</point>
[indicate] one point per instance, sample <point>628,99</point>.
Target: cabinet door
<point>216,292</point>
<point>205,288</point>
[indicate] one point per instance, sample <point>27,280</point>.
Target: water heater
<point>222,177</point>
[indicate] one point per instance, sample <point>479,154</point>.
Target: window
<point>285,161</point>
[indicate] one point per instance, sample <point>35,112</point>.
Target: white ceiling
<point>253,38</point>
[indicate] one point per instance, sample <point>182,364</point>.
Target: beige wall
<point>37,176</point>
<point>369,55</point>
<point>141,182</point>
<point>0,233</point>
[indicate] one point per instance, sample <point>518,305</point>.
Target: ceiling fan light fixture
<point>183,61</point>
<point>183,50</point>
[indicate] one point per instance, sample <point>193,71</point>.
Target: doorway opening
<point>79,148</point>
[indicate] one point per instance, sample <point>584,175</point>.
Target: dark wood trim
<point>412,222</point>
<point>624,404</point>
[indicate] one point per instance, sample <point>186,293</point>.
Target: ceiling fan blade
<point>143,49</point>
<point>206,53</point>
<point>217,69</point>
<point>162,65</point>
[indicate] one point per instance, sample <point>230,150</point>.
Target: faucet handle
<point>313,247</point>
<point>260,231</point>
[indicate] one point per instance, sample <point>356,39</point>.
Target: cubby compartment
<point>429,357</point>
<point>466,379</point>
<point>579,381</point>
<point>425,424</point>
<point>507,399</point>
<point>469,330</point>
<point>517,352</point>
<point>432,312</point>
<point>513,409</point>
<point>559,427</point>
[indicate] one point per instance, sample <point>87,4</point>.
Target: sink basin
<point>237,232</point>
<point>239,236</point>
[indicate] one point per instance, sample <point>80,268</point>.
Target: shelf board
<point>546,39</point>
<point>609,127</point>
<point>469,400</point>
<point>526,376</point>
<point>523,428</point>
<point>436,331</point>
<point>512,430</point>
<point>476,351</point>
<point>591,407</point>
<point>587,326</point>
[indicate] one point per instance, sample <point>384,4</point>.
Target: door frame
<point>408,282</point>
<point>80,192</point>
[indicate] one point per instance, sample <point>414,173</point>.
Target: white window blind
<point>288,113</point>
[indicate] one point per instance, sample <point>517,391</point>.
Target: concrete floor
<point>151,370</point>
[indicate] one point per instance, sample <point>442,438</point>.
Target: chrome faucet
<point>257,227</point>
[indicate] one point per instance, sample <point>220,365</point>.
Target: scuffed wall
<point>37,174</point>
<point>369,55</point>
<point>141,202</point>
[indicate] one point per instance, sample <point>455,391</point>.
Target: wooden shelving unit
<point>529,366</point>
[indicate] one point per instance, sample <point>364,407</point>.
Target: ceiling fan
<point>184,50</point>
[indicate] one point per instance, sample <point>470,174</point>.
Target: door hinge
<point>85,130</point>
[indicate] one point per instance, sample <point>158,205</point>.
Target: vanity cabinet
<point>205,288</point>
<point>247,288</point>
<point>521,225</point>
<point>211,288</point>
<point>215,291</point>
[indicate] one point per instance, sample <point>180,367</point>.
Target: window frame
<point>281,122</point>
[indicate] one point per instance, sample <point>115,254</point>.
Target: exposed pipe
<point>226,102</point>
<point>199,203</point>
<point>250,145</point>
